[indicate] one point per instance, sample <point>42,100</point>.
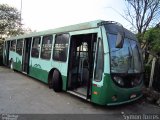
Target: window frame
<point>11,45</point>
<point>67,48</point>
<point>40,38</point>
<point>22,46</point>
<point>41,43</point>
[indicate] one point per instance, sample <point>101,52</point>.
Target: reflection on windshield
<point>126,59</point>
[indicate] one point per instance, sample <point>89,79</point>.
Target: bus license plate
<point>132,96</point>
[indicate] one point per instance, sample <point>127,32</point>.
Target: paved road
<point>21,94</point>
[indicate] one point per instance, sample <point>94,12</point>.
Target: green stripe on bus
<point>18,66</point>
<point>39,74</point>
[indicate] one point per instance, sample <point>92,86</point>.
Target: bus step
<point>24,72</point>
<point>79,95</point>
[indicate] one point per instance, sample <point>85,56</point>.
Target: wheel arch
<point>50,74</point>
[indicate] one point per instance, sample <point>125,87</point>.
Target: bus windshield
<point>127,59</point>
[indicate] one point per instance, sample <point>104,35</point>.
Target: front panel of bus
<point>123,69</point>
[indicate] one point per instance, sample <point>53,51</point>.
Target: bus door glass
<point>19,51</point>
<point>6,52</point>
<point>34,57</point>
<point>26,54</point>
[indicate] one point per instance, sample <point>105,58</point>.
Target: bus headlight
<point>118,80</point>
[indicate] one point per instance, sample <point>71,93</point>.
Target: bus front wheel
<point>57,81</point>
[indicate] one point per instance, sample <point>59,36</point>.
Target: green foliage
<point>140,37</point>
<point>10,21</point>
<point>152,36</point>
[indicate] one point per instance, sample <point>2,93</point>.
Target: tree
<point>10,21</point>
<point>153,37</point>
<point>142,13</point>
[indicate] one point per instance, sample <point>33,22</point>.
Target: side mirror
<point>119,41</point>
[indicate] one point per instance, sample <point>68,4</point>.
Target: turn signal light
<point>95,92</point>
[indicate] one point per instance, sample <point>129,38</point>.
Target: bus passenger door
<point>26,55</point>
<point>6,53</point>
<point>81,64</point>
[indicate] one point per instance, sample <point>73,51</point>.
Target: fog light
<point>114,98</point>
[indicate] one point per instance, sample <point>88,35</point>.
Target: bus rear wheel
<point>57,81</point>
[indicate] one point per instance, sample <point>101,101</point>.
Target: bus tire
<point>57,81</point>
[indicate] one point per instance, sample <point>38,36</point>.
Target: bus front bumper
<point>124,102</point>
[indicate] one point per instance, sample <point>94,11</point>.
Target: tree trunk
<point>152,72</point>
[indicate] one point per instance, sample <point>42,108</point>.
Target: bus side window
<point>19,46</point>
<point>61,47</point>
<point>36,47</point>
<point>46,47</point>
<point>13,45</point>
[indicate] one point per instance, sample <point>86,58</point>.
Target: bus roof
<point>76,27</point>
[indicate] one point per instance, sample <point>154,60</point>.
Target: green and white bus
<point>99,61</point>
